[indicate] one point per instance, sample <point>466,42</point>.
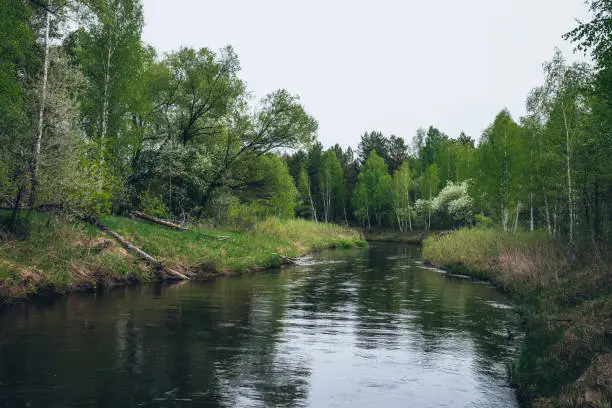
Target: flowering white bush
<point>455,201</point>
<point>423,206</point>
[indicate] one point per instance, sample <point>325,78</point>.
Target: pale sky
<point>387,65</point>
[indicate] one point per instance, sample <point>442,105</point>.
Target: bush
<point>154,206</point>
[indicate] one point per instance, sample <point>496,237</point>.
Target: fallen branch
<point>156,220</point>
<point>287,259</point>
<point>172,225</point>
<point>142,254</point>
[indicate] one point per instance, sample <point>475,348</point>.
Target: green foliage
<point>373,192</point>
<point>154,206</point>
<point>483,221</point>
<point>278,196</point>
<point>332,186</point>
<point>64,255</point>
<point>17,60</point>
<point>305,206</point>
<point>402,187</point>
<point>455,203</point>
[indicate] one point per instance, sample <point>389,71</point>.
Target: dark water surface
<point>357,328</point>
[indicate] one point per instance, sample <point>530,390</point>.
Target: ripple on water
<point>361,328</point>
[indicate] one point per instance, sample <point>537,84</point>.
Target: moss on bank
<point>564,297</point>
<point>61,256</point>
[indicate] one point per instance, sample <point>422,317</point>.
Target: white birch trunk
<point>518,210</point>
<point>570,203</point>
<point>409,219</point>
<point>41,117</point>
<point>550,231</point>
<point>314,210</point>
<point>531,222</point>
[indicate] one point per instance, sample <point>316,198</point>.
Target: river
<point>353,328</point>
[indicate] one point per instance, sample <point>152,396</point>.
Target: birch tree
<point>560,103</point>
<point>372,196</point>
<point>110,52</point>
<point>402,186</point>
<point>332,186</point>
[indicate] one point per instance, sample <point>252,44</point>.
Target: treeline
<point>549,169</point>
<point>94,121</point>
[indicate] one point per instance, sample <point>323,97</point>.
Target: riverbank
<point>61,256</point>
<point>564,298</point>
<point>395,236</point>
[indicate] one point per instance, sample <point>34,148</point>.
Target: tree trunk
<point>570,203</point>
<point>139,252</point>
<point>550,231</point>
<point>531,223</point>
<point>35,163</point>
<point>518,210</point>
<point>314,210</point>
<point>409,219</point>
<point>156,220</point>
<point>505,217</point>
<point>104,117</point>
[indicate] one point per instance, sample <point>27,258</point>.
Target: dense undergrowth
<point>564,298</point>
<point>60,255</point>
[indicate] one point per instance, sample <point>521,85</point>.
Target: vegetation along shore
<point>563,296</point>
<point>62,256</point>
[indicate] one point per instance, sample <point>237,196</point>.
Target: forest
<point>93,121</point>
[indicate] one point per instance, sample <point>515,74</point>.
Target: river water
<point>354,328</point>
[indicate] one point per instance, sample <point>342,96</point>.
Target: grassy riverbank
<point>61,256</point>
<point>564,297</point>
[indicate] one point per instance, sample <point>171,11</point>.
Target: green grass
<point>63,255</point>
<point>564,300</point>
<point>242,251</point>
<point>60,255</point>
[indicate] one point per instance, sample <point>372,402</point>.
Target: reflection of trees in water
<point>169,350</point>
<point>429,308</point>
<point>224,343</point>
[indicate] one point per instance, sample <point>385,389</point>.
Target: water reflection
<point>357,328</point>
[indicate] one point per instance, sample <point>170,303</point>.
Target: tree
<point>279,122</point>
<point>500,180</point>
<point>372,194</point>
<point>279,190</point>
<point>398,153</point>
<point>18,64</point>
<point>332,186</point>
<point>373,141</point>
<point>201,88</point>
<point>402,185</point>
<point>430,147</point>
<point>430,180</point>
<point>305,207</point>
<point>561,104</point>
<point>110,52</point>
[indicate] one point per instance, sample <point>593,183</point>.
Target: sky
<point>386,65</point>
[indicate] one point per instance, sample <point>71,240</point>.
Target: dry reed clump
<point>539,266</point>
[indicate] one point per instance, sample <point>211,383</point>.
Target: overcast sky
<point>388,65</point>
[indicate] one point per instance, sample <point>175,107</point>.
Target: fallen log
<point>287,259</point>
<point>156,220</point>
<point>172,225</point>
<point>142,254</point>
